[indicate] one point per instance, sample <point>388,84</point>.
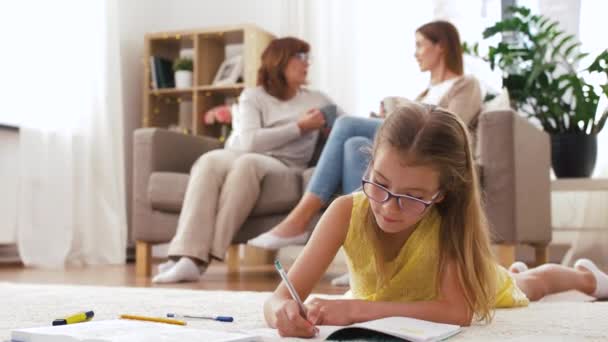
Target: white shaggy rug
<point>24,305</point>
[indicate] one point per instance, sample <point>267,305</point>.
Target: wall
<point>137,17</point>
<point>9,171</point>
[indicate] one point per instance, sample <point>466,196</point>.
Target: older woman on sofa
<point>439,51</point>
<point>276,128</point>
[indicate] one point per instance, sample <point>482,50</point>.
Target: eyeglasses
<point>303,56</point>
<point>408,204</point>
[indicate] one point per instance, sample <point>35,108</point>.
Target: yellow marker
<point>153,319</point>
<point>75,318</point>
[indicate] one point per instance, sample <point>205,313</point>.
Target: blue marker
<point>214,318</point>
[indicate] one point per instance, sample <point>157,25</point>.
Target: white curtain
<point>63,78</point>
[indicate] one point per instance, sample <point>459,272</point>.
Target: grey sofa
<point>514,157</point>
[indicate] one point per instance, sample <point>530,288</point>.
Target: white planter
<point>183,79</point>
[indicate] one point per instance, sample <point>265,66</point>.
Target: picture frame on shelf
<point>229,71</point>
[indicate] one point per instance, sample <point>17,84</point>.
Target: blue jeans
<point>343,161</point>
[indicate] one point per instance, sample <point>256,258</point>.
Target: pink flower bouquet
<point>219,114</point>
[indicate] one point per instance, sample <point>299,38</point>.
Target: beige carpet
<point>34,305</point>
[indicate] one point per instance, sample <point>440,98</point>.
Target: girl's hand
<point>330,312</point>
<point>290,323</point>
<point>312,120</point>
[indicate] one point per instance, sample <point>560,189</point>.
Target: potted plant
<point>183,72</point>
<point>539,63</point>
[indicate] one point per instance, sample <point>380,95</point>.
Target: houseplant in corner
<point>183,72</point>
<point>539,63</point>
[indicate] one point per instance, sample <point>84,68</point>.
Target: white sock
<point>184,270</point>
<point>271,241</point>
<point>343,280</point>
<point>601,278</point>
<point>518,267</point>
<point>166,265</point>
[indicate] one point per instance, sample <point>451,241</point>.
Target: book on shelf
<point>161,72</point>
<point>153,77</point>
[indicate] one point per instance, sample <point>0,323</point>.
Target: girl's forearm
<point>436,311</point>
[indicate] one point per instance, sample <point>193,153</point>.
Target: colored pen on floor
<point>214,318</point>
<point>153,319</point>
<point>75,318</point>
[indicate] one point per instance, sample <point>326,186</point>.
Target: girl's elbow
<point>465,322</point>
<point>463,317</point>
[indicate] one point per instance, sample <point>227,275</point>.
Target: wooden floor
<point>252,278</point>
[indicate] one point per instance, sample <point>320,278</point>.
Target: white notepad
<point>409,329</point>
<point>124,331</point>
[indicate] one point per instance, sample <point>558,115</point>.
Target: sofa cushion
<point>166,190</point>
<point>280,192</point>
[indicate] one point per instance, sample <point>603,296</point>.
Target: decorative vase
<point>224,132</point>
<point>183,79</point>
<point>573,155</point>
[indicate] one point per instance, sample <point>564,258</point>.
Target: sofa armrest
<point>156,150</point>
<point>516,160</point>
<point>164,150</point>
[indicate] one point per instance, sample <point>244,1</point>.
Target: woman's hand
<point>382,112</point>
<point>330,312</point>
<point>289,322</point>
<point>311,120</point>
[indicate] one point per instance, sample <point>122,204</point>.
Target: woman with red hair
<point>276,128</point>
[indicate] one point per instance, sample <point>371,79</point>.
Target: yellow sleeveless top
<point>412,274</point>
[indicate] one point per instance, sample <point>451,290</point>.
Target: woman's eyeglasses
<point>408,204</point>
<point>303,56</point>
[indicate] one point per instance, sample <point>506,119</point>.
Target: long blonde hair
<point>439,139</point>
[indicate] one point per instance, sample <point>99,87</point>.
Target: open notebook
<point>409,329</point>
<point>124,331</point>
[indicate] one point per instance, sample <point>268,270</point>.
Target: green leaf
<point>581,55</point>
<point>601,122</point>
<point>559,45</point>
<point>605,89</point>
<point>570,49</point>
<point>544,21</point>
<point>519,10</point>
<point>552,26</point>
<point>596,65</point>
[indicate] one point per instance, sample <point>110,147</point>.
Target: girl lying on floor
<point>416,239</point>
